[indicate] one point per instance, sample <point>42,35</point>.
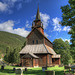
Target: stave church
<point>38,51</point>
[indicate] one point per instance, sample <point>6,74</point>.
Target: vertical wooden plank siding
<point>56,61</point>
<point>22,62</point>
<point>33,62</point>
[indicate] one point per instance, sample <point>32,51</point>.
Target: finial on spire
<point>38,14</point>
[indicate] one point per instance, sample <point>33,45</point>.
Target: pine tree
<point>16,56</point>
<point>6,57</point>
<point>12,56</point>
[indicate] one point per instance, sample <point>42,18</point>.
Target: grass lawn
<point>33,71</point>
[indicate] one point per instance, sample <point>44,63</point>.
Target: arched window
<point>33,41</point>
<point>36,41</point>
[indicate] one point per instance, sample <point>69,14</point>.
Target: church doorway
<point>27,62</point>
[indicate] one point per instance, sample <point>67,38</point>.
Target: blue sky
<point>16,16</point>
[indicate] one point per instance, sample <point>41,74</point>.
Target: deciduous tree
<point>68,19</point>
<point>63,48</point>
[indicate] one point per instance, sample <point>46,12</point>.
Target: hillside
<point>9,39</point>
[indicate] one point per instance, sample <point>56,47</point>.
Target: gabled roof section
<point>29,55</point>
<point>40,33</point>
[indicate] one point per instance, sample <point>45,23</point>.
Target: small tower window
<point>33,41</point>
<point>36,41</point>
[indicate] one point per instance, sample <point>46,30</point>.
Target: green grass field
<point>32,71</point>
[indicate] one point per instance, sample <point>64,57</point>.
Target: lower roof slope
<point>36,48</point>
<point>39,49</point>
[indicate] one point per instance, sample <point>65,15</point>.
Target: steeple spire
<point>38,14</point>
<point>37,22</point>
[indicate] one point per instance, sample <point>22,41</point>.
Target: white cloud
<point>21,31</point>
<point>45,19</point>
<point>10,2</point>
<point>8,26</point>
<point>66,40</point>
<point>28,24</point>
<point>66,28</point>
<point>56,24</point>
<point>58,27</point>
<point>7,5</point>
<point>3,7</point>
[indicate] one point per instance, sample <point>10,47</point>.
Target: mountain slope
<point>11,40</point>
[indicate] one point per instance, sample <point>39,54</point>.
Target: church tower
<point>37,22</point>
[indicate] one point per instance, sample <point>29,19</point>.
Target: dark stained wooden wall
<point>35,62</point>
<point>35,35</point>
<point>41,30</point>
<point>45,59</point>
<point>49,59</point>
<point>42,59</point>
<point>48,43</point>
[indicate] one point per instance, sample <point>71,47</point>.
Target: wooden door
<point>27,62</point>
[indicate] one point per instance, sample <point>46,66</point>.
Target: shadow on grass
<point>59,72</point>
<point>31,72</point>
<point>34,72</point>
<point>7,71</point>
<point>40,72</point>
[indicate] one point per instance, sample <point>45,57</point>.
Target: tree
<point>66,57</point>
<point>6,57</point>
<point>59,45</point>
<point>12,56</point>
<point>16,56</point>
<point>72,50</point>
<point>63,48</point>
<point>23,45</point>
<point>68,19</point>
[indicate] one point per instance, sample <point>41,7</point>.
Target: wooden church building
<point>39,49</point>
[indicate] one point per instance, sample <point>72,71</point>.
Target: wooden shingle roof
<point>29,55</point>
<point>50,50</point>
<point>56,56</point>
<point>36,48</point>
